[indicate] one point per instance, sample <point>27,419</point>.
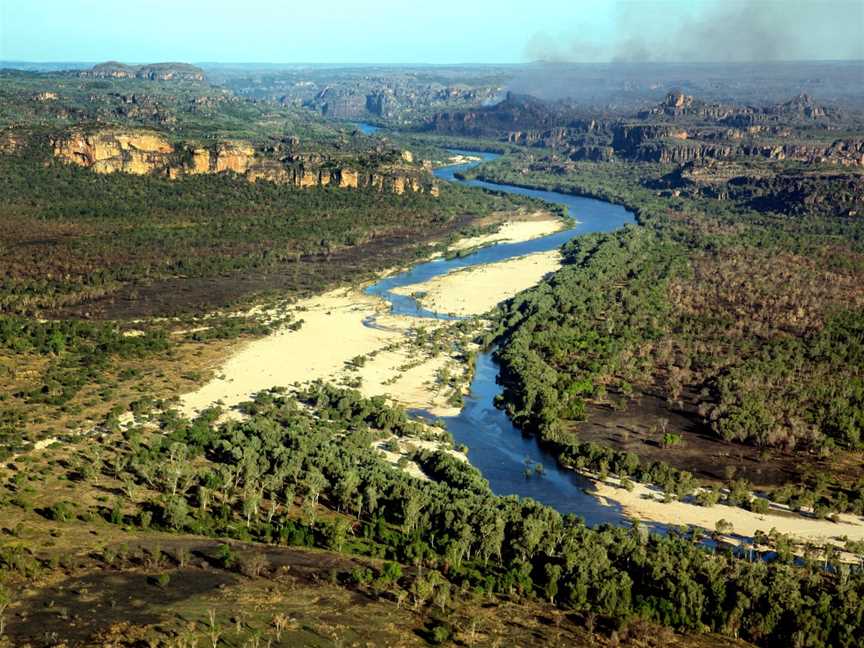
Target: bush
<point>60,512</point>
<point>162,580</point>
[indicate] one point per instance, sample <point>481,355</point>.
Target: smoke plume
<point>725,31</point>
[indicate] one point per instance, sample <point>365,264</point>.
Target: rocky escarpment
<point>672,144</point>
<point>387,98</point>
<point>679,130</point>
<point>847,152</point>
<point>834,193</point>
<point>143,152</point>
<point>152,72</point>
<point>679,107</point>
<point>518,116</point>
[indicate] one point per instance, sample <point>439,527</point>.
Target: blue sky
<point>429,31</point>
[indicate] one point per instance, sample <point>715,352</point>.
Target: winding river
<point>498,449</point>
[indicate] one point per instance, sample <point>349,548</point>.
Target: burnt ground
<point>120,603</point>
<point>312,274</point>
<point>632,425</point>
<point>94,600</point>
<point>123,604</point>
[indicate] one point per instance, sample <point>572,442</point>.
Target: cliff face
<point>130,152</point>
<point>840,152</point>
<point>517,113</point>
<point>627,138</point>
<point>838,193</point>
<point>669,143</point>
<point>143,152</point>
<point>678,106</point>
<point>679,130</point>
<point>153,72</point>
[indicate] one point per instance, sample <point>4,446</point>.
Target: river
<point>498,449</point>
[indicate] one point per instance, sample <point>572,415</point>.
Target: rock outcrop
<point>837,193</point>
<point>9,142</point>
<point>144,152</point>
<point>389,95</point>
<point>515,113</point>
<point>139,153</point>
<point>152,72</point>
<point>680,129</point>
<point>234,155</point>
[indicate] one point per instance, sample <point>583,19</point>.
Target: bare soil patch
<point>635,425</point>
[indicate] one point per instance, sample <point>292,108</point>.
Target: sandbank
<point>476,290</point>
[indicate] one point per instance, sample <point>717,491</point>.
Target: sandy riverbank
<point>473,291</point>
<point>334,332</point>
<point>534,225</point>
<point>640,504</point>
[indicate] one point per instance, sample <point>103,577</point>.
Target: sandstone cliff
<point>680,129</point>
<point>152,72</point>
<point>127,151</point>
<point>145,152</point>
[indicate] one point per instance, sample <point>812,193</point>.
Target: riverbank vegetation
<point>747,323</point>
<point>300,472</point>
<point>121,247</point>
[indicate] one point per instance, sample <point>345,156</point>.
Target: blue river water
<point>498,449</point>
<point>366,129</point>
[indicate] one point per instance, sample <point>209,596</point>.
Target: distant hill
<point>153,71</point>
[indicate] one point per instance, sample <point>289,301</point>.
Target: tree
<point>253,564</point>
<point>176,471</point>
<point>314,483</point>
<point>411,507</point>
<point>251,502</point>
<point>175,511</point>
<point>370,494</point>
<point>337,533</point>
<point>723,527</point>
<point>5,602</point>
<point>491,536</point>
<point>347,488</point>
<point>422,590</point>
<point>553,575</point>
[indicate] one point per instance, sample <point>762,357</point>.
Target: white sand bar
<point>475,290</point>
<point>542,224</point>
<point>333,332</point>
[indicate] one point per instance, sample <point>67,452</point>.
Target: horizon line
<point>5,61</point>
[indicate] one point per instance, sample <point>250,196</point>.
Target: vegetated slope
<point>300,472</point>
<point>70,236</point>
